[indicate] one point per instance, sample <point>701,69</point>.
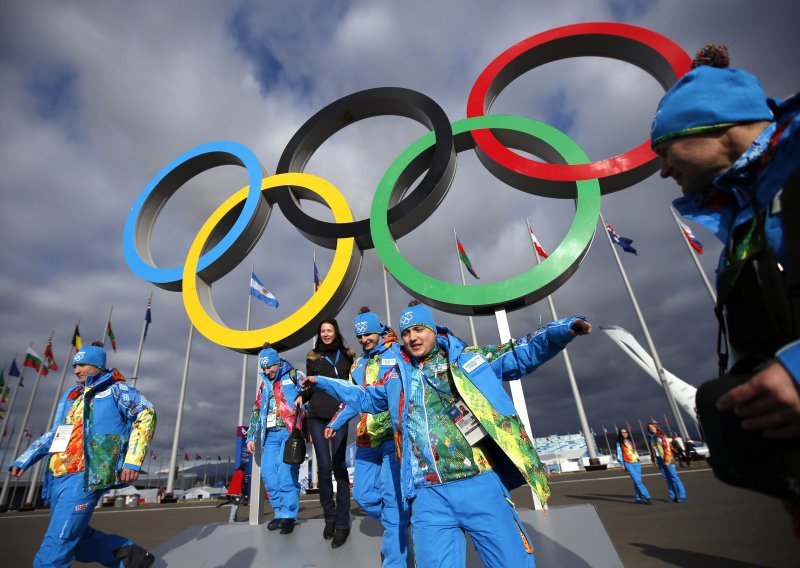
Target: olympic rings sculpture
<point>231,231</point>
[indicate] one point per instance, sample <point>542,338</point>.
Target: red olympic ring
<point>656,54</point>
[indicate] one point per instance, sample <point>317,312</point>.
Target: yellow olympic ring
<point>291,331</point>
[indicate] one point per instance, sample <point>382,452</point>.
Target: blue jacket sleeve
<point>789,356</point>
<point>41,446</point>
<point>36,451</point>
<point>344,415</point>
<point>619,454</point>
<point>371,399</point>
<point>521,356</point>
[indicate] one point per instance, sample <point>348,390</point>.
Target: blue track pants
<point>280,478</point>
<point>480,506</point>
<point>640,491</point>
<point>69,536</point>
<point>377,489</point>
<point>674,485</point>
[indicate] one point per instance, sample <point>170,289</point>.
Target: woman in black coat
<point>330,358</point>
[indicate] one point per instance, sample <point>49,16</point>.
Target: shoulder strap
<point>790,206</point>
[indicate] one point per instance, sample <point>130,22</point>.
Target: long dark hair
<point>621,438</point>
<point>337,343</point>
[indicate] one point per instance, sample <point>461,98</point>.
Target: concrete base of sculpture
<point>568,537</point>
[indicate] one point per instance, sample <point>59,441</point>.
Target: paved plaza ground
<point>718,525</point>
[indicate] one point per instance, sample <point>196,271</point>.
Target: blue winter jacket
<point>288,377</point>
<point>118,425</point>
<point>526,355</point>
<point>758,177</point>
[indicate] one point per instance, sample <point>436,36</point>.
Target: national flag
<point>186,457</point>
<point>687,232</point>
<point>34,361</point>
<point>111,338</point>
<point>462,254</point>
<point>624,242</point>
<point>219,458</point>
<point>77,342</point>
<point>26,433</point>
<point>49,358</point>
<point>197,457</point>
<point>13,371</point>
<point>605,430</point>
<point>2,414</point>
<point>259,291</point>
<point>536,246</point>
<point>152,455</point>
<point>148,318</point>
<point>316,277</point>
<point>2,378</point>
<point>4,395</point>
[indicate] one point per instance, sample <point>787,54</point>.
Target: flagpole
<point>386,296</point>
<point>695,258</point>
<point>590,443</point>
<point>5,451</point>
<point>605,433</point>
<point>464,283</point>
<point>29,499</point>
<point>643,324</point>
<point>105,329</point>
<point>139,353</point>
<point>6,483</point>
<point>10,408</point>
<point>313,454</point>
<point>243,391</point>
<point>644,435</point>
<point>517,395</point>
<point>177,434</point>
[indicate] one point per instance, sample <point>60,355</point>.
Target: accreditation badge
<point>272,420</point>
<point>465,421</point>
<point>61,439</point>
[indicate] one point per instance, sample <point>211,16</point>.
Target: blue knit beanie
<point>707,99</point>
<point>268,357</point>
<point>90,355</point>
<point>368,322</point>
<point>417,315</point>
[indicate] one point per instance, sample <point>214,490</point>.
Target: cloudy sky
<point>97,97</point>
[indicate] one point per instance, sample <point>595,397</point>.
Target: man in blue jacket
<point>462,445</point>
<point>732,150</point>
<point>98,441</point>
<point>272,420</point>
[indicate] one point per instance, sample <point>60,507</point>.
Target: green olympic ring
<point>512,293</point>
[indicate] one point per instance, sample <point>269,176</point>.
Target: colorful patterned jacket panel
<point>285,389</point>
<point>118,426</point>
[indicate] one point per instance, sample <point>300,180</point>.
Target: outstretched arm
<point>371,399</point>
<point>521,356</point>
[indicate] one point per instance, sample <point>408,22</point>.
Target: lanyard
<point>334,363</point>
<point>439,392</point>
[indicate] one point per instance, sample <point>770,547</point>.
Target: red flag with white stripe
<point>536,245</point>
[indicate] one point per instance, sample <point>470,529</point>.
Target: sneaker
<point>330,528</point>
<point>134,556</point>
<point>340,537</point>
<point>287,526</point>
<point>274,524</point>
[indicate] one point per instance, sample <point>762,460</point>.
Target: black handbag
<point>294,452</point>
